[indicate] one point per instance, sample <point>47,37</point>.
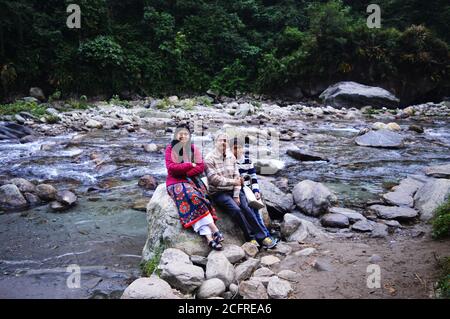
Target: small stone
<point>252,289</point>
<point>245,270</point>
<point>149,288</point>
<point>66,198</point>
<point>335,220</point>
<point>289,275</point>
<point>263,272</point>
<point>322,266</point>
<point>379,231</point>
<point>305,252</point>
<point>46,192</point>
<point>93,124</point>
<point>362,226</point>
<point>269,260</point>
<point>416,128</point>
<point>234,253</point>
<point>57,206</point>
<point>250,249</point>
<point>211,288</point>
<point>278,288</point>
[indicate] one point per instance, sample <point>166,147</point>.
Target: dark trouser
<point>242,214</point>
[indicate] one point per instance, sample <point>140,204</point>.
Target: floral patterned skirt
<point>191,201</point>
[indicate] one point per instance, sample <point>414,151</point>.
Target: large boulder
<point>218,266</point>
<point>352,94</point>
<point>14,131</point>
<point>402,194</point>
<point>380,138</point>
<point>313,198</point>
<point>430,196</point>
<point>23,185</point>
<point>11,197</point>
<point>165,229</point>
<point>213,287</point>
<point>278,288</point>
<point>393,212</point>
<point>296,229</point>
<point>149,288</point>
<point>37,93</point>
<point>182,276</point>
<point>438,171</point>
<point>277,202</point>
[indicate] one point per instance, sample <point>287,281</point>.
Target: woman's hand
<point>193,164</point>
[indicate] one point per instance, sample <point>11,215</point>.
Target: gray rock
<point>150,148</point>
<point>305,229</point>
<point>165,229</point>
<point>56,206</point>
<point>263,280</point>
<point>267,166</point>
<point>380,138</point>
<point>244,109</point>
<point>263,272</point>
<point>416,128</point>
<point>402,194</point>
<point>362,226</point>
<point>182,276</point>
<point>379,230</point>
<point>173,255</point>
<point>245,270</point>
<point>11,197</point>
<point>289,275</point>
<point>211,288</point>
<point>277,202</point>
<point>351,94</point>
<point>32,199</point>
<point>313,198</point>
<point>218,266</point>
<point>149,288</point>
<point>37,93</point>
<point>439,171</point>
<point>430,196</point>
<point>234,253</point>
<point>93,124</point>
<point>23,185</point>
<point>250,249</point>
<point>252,289</point>
<point>289,225</point>
<point>392,223</point>
<point>321,265</point>
<point>148,182</point>
<point>393,212</point>
<point>234,289</point>
<point>305,155</point>
<point>278,288</point>
<point>374,259</point>
<point>335,220</point>
<point>352,215</point>
<point>46,192</point>
<point>66,198</point>
<point>269,260</point>
<point>199,260</point>
<point>305,252</point>
<point>282,249</point>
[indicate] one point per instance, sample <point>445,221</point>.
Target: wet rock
<point>362,226</point>
<point>335,220</point>
<point>394,212</point>
<point>269,260</point>
<point>67,198</point>
<point>245,270</point>
<point>28,139</point>
<point>211,288</point>
<point>218,266</point>
<point>14,131</point>
<point>352,94</point>
<point>32,199</point>
<point>46,192</point>
<point>305,155</point>
<point>277,202</point>
<point>148,182</point>
<point>93,124</point>
<point>252,289</point>
<point>278,288</point>
<point>263,272</point>
<point>149,288</point>
<point>430,196</point>
<point>164,228</point>
<point>11,197</point>
<point>439,171</point>
<point>57,206</point>
<point>416,128</point>
<point>234,253</point>
<point>182,276</point>
<point>381,138</point>
<point>313,198</point>
<point>352,215</point>
<point>23,185</point>
<point>250,249</point>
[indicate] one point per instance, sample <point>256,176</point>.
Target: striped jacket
<point>221,172</point>
<point>248,172</point>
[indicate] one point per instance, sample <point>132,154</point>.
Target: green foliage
<point>149,267</point>
<point>35,109</point>
<point>444,281</point>
<point>441,221</point>
<point>115,100</point>
<point>55,96</point>
<point>80,104</point>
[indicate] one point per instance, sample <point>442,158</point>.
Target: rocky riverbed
<point>101,154</point>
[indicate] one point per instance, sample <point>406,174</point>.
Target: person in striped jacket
<point>248,173</point>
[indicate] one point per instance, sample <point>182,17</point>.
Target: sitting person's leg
<point>226,202</point>
<point>260,221</point>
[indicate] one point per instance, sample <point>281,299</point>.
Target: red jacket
<point>177,172</point>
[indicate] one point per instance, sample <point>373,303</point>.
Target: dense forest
<point>157,47</point>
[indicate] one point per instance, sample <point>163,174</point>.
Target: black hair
<point>189,147</point>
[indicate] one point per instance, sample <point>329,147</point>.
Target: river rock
<point>362,226</point>
<point>416,128</point>
<point>335,220</point>
<point>439,171</point>
<point>218,266</point>
<point>211,288</point>
<point>289,275</point>
<point>269,260</point>
<point>393,212</point>
<point>277,202</point>
<point>182,276</point>
<point>244,109</point>
<point>305,155</point>
<point>381,138</point>
<point>150,148</point>
<point>165,229</point>
<point>313,198</point>
<point>37,93</point>
<point>289,225</point>
<point>245,270</point>
<point>93,124</point>
<point>352,94</point>
<point>66,198</point>
<point>234,253</point>
<point>263,272</point>
<point>265,166</point>
<point>402,194</point>
<point>430,196</point>
<point>199,260</point>
<point>352,215</point>
<point>32,199</point>
<point>11,197</point>
<point>250,249</point>
<point>46,192</point>
<point>252,289</point>
<point>149,288</point>
<point>23,185</point>
<point>173,255</point>
<point>278,288</point>
<point>57,206</point>
<point>379,230</point>
<point>14,131</point>
<point>148,182</point>
<point>305,252</point>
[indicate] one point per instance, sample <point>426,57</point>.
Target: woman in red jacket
<point>185,165</point>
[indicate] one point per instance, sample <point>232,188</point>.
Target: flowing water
<point>104,236</point>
